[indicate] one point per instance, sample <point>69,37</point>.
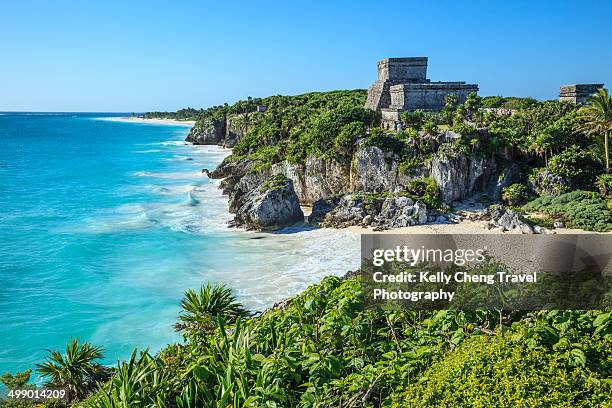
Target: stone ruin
<point>578,93</point>
<point>402,85</point>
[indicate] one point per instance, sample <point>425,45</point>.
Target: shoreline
<point>156,121</point>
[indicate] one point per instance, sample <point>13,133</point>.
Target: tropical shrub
<point>348,135</point>
<point>202,308</point>
<point>516,194</point>
<point>580,209</point>
<point>604,184</point>
<point>77,369</point>
<point>410,165</point>
<point>425,189</point>
<point>518,369</point>
<point>576,165</point>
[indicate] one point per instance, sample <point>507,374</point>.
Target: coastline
<point>156,121</point>
<point>461,227</point>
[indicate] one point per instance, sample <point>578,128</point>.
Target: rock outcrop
<point>271,205</point>
<point>509,176</point>
<point>209,132</point>
<point>338,187</point>
<point>460,176</point>
<point>506,220</point>
<point>547,184</point>
<point>365,210</point>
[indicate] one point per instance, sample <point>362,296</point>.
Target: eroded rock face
<point>373,170</point>
<point>211,132</point>
<point>321,207</point>
<point>547,184</point>
<point>272,205</point>
<point>460,176</point>
<point>390,212</point>
<point>232,135</point>
<point>510,176</point>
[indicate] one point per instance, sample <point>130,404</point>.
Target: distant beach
<point>159,121</point>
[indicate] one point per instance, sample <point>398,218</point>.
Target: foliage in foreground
<point>322,349</point>
<point>512,370</point>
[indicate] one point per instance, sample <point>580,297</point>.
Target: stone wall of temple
<point>403,85</point>
<point>578,93</point>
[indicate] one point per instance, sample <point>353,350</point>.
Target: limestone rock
<point>321,207</point>
<point>373,170</point>
<point>272,205</point>
<point>461,176</point>
<point>390,212</point>
<point>507,220</point>
<point>547,184</point>
<point>510,176</point>
<point>210,132</point>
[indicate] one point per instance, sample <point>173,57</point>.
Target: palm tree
<point>597,117</point>
<point>76,370</point>
<point>542,145</point>
<point>201,309</point>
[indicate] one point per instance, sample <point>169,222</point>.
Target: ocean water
<point>104,225</point>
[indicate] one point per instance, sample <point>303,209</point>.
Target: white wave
<point>110,224</point>
<point>180,158</point>
<point>172,189</point>
<point>174,143</point>
<point>148,151</point>
<point>172,176</point>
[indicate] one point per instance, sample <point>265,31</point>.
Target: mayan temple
<point>402,85</point>
<point>578,93</point>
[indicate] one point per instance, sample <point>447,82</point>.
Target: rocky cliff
<point>222,132</point>
<point>369,169</point>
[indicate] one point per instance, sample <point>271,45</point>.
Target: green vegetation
<point>77,369</point>
<point>323,349</point>
<point>516,194</point>
<point>183,114</point>
<point>500,102</point>
<point>526,367</point>
<point>597,119</point>
<point>579,209</point>
<point>425,189</point>
<point>275,182</point>
<point>604,184</point>
<point>320,123</point>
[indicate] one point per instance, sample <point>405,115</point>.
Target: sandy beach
<point>462,227</point>
<point>153,121</point>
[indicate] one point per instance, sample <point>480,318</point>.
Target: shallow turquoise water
<point>104,224</point>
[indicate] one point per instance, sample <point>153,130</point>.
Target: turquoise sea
<point>104,224</point>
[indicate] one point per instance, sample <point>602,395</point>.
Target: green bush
<point>425,189</point>
<point>604,184</point>
<point>413,119</point>
<point>515,194</point>
<point>576,165</point>
<point>512,371</point>
<point>581,209</point>
<point>348,135</point>
<point>386,141</point>
<point>410,164</point>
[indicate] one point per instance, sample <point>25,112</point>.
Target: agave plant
<point>77,369</point>
<point>201,309</point>
<point>138,382</point>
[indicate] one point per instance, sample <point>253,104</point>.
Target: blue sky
<point>139,56</point>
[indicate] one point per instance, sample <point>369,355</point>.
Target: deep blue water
<point>104,224</point>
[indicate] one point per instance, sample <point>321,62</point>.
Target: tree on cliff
<point>597,117</point>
